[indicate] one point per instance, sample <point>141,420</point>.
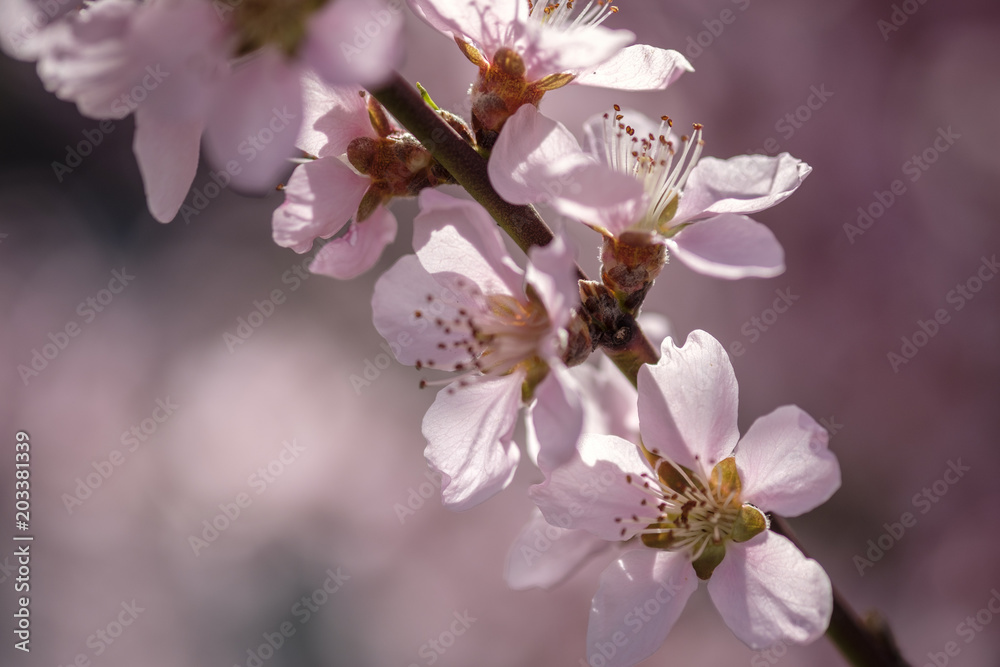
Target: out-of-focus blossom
<point>524,49</point>
<point>695,498</point>
<point>462,304</point>
<point>230,71</point>
<point>695,207</point>
<point>24,21</point>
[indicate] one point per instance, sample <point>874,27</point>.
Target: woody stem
<point>864,643</point>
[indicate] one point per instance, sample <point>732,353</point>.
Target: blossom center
<point>684,511</point>
<point>653,160</point>
<point>499,334</point>
<point>282,23</point>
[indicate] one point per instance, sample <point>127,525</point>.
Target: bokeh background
<point>353,454</point>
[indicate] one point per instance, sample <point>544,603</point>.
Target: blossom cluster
<point>651,475</point>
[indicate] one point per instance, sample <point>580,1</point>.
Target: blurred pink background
<point>328,513</point>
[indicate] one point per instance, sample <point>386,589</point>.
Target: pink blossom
<point>524,49</point>
<point>462,304</point>
<point>657,187</point>
<point>694,495</point>
<point>228,71</point>
<point>325,193</point>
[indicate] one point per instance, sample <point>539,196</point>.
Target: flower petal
<point>357,251</point>
<point>688,403</point>
<point>609,400</point>
<point>469,431</point>
<point>355,42</point>
<point>332,117</point>
<point>544,555</point>
<point>167,153</point>
<point>538,161</point>
<point>458,239</point>
<point>637,67</point>
<point>255,120</point>
<point>320,197</point>
<point>552,272</point>
<point>658,584</point>
<point>767,591</point>
<point>784,463</point>
<point>556,417</point>
<point>401,292</point>
<point>483,22</point>
<point>741,184</point>
<point>24,24</point>
<point>729,246</point>
<point>592,489</point>
<point>549,50</point>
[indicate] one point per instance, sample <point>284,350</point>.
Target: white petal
<point>482,22</point>
<point>333,116</point>
<point>784,463</point>
<point>255,120</point>
<point>556,417</point>
<point>609,400</point>
<point>167,152</point>
<point>688,403</point>
<point>741,184</point>
<point>356,251</point>
<point>355,42</point>
<point>592,489</point>
<point>729,246</point>
<point>320,197</point>
<point>538,161</point>
<point>401,292</point>
<point>458,239</point>
<point>768,591</point>
<point>637,67</point>
<point>469,433</point>
<point>544,555</point>
<point>658,585</point>
<point>553,273</point>
<point>548,50</point>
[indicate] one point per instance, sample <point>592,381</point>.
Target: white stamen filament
<point>560,14</point>
<point>652,160</point>
<point>695,517</point>
<point>498,333</point>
